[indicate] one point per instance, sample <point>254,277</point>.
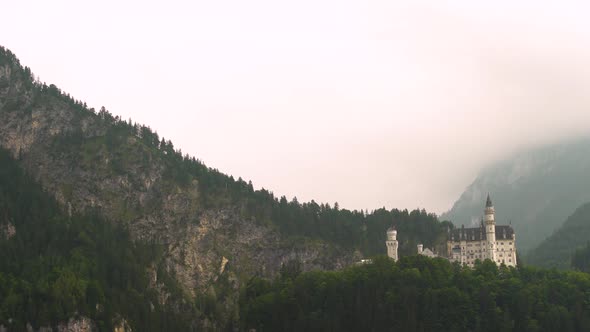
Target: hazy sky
<point>368,103</point>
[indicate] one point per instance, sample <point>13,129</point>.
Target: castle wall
<point>504,252</point>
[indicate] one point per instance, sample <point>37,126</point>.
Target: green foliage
<point>56,266</point>
<point>419,294</point>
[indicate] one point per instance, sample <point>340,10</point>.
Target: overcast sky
<point>368,103</point>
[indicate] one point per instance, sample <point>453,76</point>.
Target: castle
<point>488,241</point>
<point>466,245</point>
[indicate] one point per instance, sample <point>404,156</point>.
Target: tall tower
<point>490,230</point>
<point>391,243</point>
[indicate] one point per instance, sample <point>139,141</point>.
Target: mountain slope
<point>215,231</point>
<point>209,224</point>
<point>557,249</point>
<point>536,190</point>
<point>55,266</point>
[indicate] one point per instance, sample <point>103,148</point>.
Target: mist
<point>366,103</point>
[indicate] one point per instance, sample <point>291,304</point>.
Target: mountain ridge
<point>94,160</point>
<point>216,232</point>
<point>556,250</point>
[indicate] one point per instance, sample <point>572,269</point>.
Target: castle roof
<point>428,253</point>
<point>503,232</point>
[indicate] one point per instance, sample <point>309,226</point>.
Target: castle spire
<point>490,230</point>
<point>489,201</point>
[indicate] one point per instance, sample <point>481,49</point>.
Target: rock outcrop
<point>7,230</point>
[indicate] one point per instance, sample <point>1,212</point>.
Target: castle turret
<point>490,224</point>
<point>391,243</point>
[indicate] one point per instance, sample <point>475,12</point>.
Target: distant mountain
<point>581,259</point>
<point>535,190</point>
<point>557,250</point>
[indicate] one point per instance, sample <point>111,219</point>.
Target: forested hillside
<point>557,249</point>
<point>214,231</point>
<point>54,266</point>
<point>105,146</point>
<point>536,190</point>
<point>419,294</point>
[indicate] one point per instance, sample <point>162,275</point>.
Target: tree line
<point>419,294</point>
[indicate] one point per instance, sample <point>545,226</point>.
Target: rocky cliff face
<point>7,230</point>
<point>200,244</point>
<point>78,324</point>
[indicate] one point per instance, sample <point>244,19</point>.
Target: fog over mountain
<point>366,103</point>
<point>557,250</point>
<point>534,190</point>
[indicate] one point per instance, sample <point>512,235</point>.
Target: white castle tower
<point>391,243</point>
<point>490,225</point>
